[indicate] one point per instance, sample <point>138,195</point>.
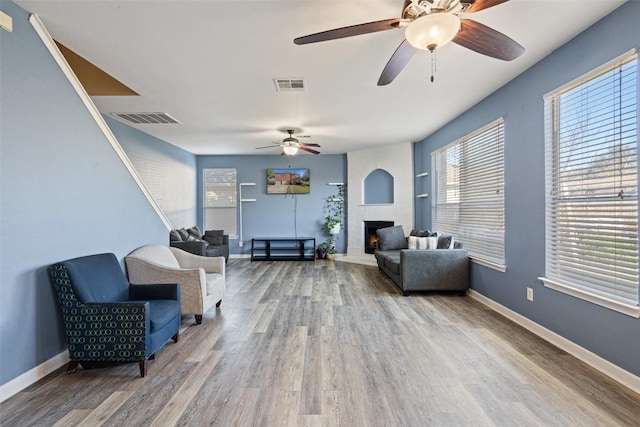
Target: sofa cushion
<point>193,238</point>
<point>195,232</point>
<point>391,238</point>
<point>420,233</point>
<point>392,261</point>
<point>214,237</point>
<point>174,236</point>
<point>184,234</point>
<point>445,242</point>
<point>98,278</point>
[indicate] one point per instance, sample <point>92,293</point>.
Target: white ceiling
<point>210,64</point>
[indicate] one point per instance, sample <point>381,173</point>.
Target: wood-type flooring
<point>335,344</point>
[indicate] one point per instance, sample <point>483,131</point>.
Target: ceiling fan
<point>291,145</point>
<point>430,24</point>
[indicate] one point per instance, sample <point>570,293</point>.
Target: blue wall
<point>64,193</point>
<point>278,215</point>
<point>613,336</point>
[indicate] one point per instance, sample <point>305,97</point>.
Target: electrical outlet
<point>530,294</point>
<point>240,243</point>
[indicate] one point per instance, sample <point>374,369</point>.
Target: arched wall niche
<point>378,188</point>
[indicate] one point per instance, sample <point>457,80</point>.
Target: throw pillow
<point>193,239</point>
<point>423,243</point>
<point>391,238</point>
<point>420,233</point>
<point>184,234</point>
<point>413,242</point>
<point>174,236</point>
<point>432,242</point>
<point>445,242</point>
<point>195,232</point>
<point>214,237</point>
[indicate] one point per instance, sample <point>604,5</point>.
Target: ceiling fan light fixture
<point>290,150</point>
<point>432,31</point>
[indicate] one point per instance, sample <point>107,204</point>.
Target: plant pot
<point>331,257</point>
<point>335,229</point>
<point>321,253</point>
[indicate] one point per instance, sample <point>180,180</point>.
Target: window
<point>468,193</point>
<point>220,201</point>
<point>591,186</point>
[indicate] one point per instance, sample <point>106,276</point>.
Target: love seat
<point>201,279</point>
<point>421,269</point>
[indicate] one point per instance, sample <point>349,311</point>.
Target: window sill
<point>495,266</point>
<point>611,304</point>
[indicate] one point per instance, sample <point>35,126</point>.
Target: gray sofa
<point>212,243</point>
<point>421,269</point>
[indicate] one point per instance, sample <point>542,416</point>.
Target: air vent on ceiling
<point>289,85</point>
<point>144,118</point>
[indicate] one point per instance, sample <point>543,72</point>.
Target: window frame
<point>495,259</point>
<point>555,279</point>
<point>232,232</point>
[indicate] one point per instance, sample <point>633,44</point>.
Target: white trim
<point>23,381</point>
<point>620,375</point>
<point>615,62</point>
<point>93,110</point>
<point>611,304</point>
<point>494,265</point>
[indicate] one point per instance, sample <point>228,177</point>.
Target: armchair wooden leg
<point>143,367</point>
<point>198,319</point>
<point>73,366</point>
<point>176,337</point>
<point>218,303</point>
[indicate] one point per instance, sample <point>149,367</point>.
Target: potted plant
<point>334,208</point>
<point>331,248</point>
<point>321,251</point>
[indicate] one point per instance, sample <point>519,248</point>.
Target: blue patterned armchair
<point>106,319</point>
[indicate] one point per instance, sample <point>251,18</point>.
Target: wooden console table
<point>283,249</point>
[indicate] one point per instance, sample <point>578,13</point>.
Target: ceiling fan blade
<point>487,41</point>
<point>268,146</point>
<point>353,30</point>
<point>312,151</point>
<point>479,5</point>
<point>396,63</point>
<point>308,145</point>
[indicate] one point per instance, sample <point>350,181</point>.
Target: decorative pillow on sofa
<point>445,242</point>
<point>184,234</point>
<point>192,238</point>
<point>214,237</point>
<point>391,238</point>
<point>420,233</point>
<point>195,232</point>
<point>174,236</point>
<point>413,242</point>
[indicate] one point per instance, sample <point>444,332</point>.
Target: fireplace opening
<point>370,237</point>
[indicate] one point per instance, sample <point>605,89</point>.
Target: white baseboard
<point>25,380</point>
<point>620,375</point>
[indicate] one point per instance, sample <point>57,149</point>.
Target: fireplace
<point>370,237</point>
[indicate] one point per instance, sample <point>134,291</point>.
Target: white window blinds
<point>591,182</point>
<point>220,200</point>
<point>468,192</point>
